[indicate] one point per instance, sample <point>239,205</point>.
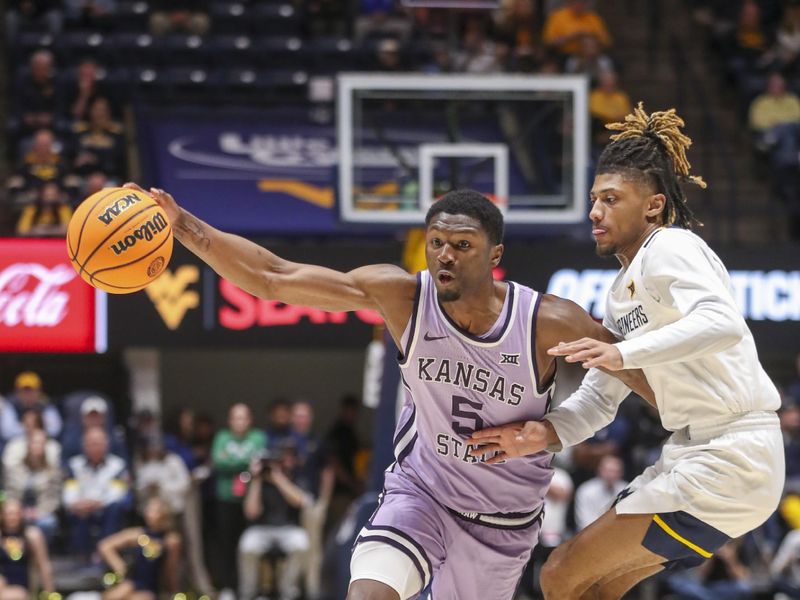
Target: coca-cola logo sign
<point>44,305</point>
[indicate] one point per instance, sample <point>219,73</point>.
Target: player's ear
<point>497,254</point>
<point>656,205</point>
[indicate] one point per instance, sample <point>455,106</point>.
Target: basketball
<point>119,240</point>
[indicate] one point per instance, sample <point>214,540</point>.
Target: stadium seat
<point>230,50</point>
<point>281,52</point>
<point>131,49</point>
<point>276,19</point>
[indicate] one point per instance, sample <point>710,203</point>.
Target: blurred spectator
<point>93,183</point>
<point>787,39</point>
<point>441,59</point>
<point>724,575</point>
<point>611,440</point>
<point>90,14</point>
<point>790,427</point>
<point>158,553</point>
<point>98,143</point>
<point>590,60</point>
<point>49,216</point>
<point>232,452</point>
<point>343,443</point>
<point>302,423</point>
<point>28,394</point>
<point>81,93</point>
<point>785,567</point>
<point>515,21</point>
<point>279,422</point>
<point>179,436</point>
<point>33,13</point>
<point>42,164</point>
<point>95,493</point>
<point>161,474</point>
<point>94,413</point>
<point>179,16</point>
<point>595,496</point>
<point>380,19</point>
<point>776,106</point>
<point>388,57</point>
<point>793,387</point>
<point>751,39</point>
<point>607,104</point>
<point>38,102</point>
<point>22,548</point>
<point>557,501</point>
<point>36,482</point>
<point>479,54</point>
<point>15,450</point>
<point>274,500</point>
<point>565,27</point>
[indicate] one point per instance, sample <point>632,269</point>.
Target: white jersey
<point>675,310</point>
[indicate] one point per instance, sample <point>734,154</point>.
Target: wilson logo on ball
<point>119,207</point>
<point>147,231</point>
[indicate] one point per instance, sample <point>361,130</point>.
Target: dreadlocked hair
<point>652,148</point>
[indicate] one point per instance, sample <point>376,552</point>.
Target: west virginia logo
<point>632,288</point>
<point>170,296</point>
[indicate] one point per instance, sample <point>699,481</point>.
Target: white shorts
<point>729,476</point>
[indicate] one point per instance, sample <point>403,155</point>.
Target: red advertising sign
<point>44,305</point>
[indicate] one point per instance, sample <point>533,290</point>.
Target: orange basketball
<point>119,240</point>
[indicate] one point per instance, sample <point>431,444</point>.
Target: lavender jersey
<point>456,383</point>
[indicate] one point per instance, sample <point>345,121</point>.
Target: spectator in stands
<point>785,567</point>
<point>95,493</point>
<point>787,39</point>
<point>559,495</point>
<point>42,164</point>
<point>179,436</point>
<point>565,27</point>
<point>478,54</point>
<point>776,106</point>
<point>593,497</point>
<point>274,500</point>
<point>388,57</point>
<point>790,427</point>
<point>16,450</point>
<point>724,575</point>
<point>22,547</point>
<point>33,13</point>
<point>35,483</point>
<point>94,182</point>
<point>90,14</point>
<point>380,19</point>
<point>515,20</point>
<point>302,424</point>
<point>158,555</point>
<point>182,16</point>
<point>28,394</point>
<point>38,100</point>
<point>343,446</point>
<point>607,104</point>
<point>279,422</point>
<point>81,93</point>
<point>232,452</point>
<point>793,387</point>
<point>590,60</point>
<point>751,39</point>
<point>161,474</point>
<point>99,143</point>
<point>94,413</point>
<point>49,216</point>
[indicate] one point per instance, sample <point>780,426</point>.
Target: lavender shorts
<point>457,559</point>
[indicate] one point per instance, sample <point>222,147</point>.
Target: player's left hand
<point>590,353</point>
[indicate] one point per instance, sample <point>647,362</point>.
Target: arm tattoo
<point>191,228</point>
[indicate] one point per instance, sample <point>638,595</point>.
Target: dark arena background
<point>323,130</point>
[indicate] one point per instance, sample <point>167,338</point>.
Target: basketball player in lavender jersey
<point>473,354</point>
<point>721,472</point>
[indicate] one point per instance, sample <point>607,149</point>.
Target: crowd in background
<point>68,132</point>
<point>245,510</point>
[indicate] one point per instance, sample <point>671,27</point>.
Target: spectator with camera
<point>274,500</point>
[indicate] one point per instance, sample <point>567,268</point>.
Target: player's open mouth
<point>445,278</point>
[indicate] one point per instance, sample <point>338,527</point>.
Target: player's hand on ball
<point>162,198</point>
<point>590,353</point>
<point>509,441</point>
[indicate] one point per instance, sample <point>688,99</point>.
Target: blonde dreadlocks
<point>652,147</point>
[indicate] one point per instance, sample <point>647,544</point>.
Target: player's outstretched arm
<point>266,275</point>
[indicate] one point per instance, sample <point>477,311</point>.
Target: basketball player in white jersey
<point>721,472</point>
<point>473,353</point>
